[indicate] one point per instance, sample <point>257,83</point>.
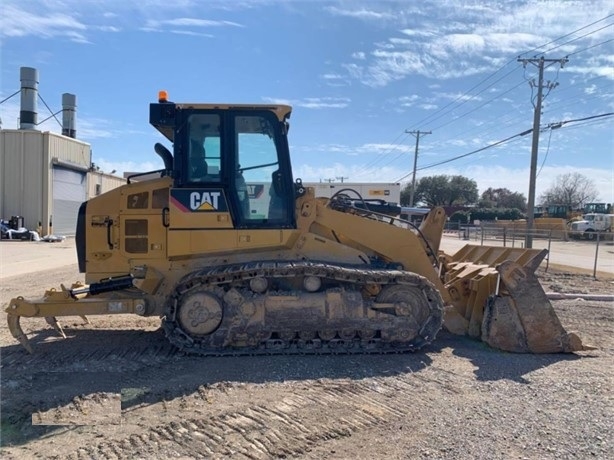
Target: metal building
<point>44,176</point>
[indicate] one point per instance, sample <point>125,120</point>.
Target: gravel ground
<point>116,389</point>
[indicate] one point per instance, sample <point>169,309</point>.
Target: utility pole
<point>341,178</point>
<point>540,63</point>
<point>413,177</point>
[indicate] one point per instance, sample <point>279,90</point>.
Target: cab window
<point>204,159</point>
<point>260,198</point>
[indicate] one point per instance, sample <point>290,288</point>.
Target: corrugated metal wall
<point>26,164</point>
<point>23,175</point>
<point>67,149</point>
<point>99,183</point>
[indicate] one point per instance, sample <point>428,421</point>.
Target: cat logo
<point>198,200</point>
<point>204,201</point>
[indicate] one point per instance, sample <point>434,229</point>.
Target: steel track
<point>356,277</point>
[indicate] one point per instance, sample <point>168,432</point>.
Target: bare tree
<point>502,198</point>
<point>571,189</point>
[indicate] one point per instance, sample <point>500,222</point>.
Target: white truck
<point>592,223</point>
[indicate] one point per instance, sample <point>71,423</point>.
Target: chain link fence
<point>541,239</point>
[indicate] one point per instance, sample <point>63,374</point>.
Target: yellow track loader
<point>237,257</point>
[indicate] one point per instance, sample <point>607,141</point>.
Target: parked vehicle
<point>597,208</point>
<point>590,224</point>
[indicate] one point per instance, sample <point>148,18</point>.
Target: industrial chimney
<point>29,98</point>
<point>69,108</point>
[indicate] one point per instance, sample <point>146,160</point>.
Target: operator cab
<point>239,151</point>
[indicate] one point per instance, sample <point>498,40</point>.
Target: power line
<point>577,38</point>
<point>575,120</point>
<point>479,106</point>
<point>570,33</point>
<point>554,125</point>
<point>362,170</point>
<point>590,47</point>
<point>494,144</point>
<point>546,155</point>
<point>465,96</point>
<point>430,120</point>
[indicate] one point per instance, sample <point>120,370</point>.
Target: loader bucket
<point>521,319</point>
<point>495,296</point>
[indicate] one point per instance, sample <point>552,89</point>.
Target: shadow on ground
<point>144,368</point>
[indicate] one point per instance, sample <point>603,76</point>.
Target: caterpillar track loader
<point>236,257</point>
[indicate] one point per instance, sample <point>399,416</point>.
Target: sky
<point>362,77</point>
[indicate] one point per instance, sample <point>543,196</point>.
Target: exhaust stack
<point>69,109</point>
<point>28,117</point>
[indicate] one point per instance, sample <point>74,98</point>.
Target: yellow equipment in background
<point>236,257</point>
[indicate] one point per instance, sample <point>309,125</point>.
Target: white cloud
<point>16,22</point>
<point>458,96</point>
<point>408,101</point>
<point>312,102</point>
<point>64,19</point>
<point>108,28</point>
<point>190,33</point>
<point>480,38</point>
<point>360,13</point>
<point>335,80</point>
<point>121,167</point>
<point>189,22</point>
<point>418,33</point>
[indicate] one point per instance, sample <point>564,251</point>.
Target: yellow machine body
<point>241,259</point>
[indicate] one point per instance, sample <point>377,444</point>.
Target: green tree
<point>442,190</point>
<point>572,190</point>
<point>502,198</point>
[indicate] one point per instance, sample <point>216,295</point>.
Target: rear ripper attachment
<point>79,300</point>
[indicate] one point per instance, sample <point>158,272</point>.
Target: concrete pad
<point>23,257</point>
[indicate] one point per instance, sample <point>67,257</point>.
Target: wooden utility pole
<point>413,177</point>
<point>540,63</point>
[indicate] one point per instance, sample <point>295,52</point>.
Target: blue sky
<point>359,74</point>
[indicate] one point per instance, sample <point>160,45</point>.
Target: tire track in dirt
<point>91,345</point>
<point>293,425</point>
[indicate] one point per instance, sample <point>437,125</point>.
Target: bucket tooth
<point>54,323</point>
<point>17,332</point>
<point>84,318</point>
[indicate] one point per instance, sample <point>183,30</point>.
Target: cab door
<point>199,219</point>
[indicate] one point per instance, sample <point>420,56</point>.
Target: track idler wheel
<point>200,313</point>
<point>421,313</point>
